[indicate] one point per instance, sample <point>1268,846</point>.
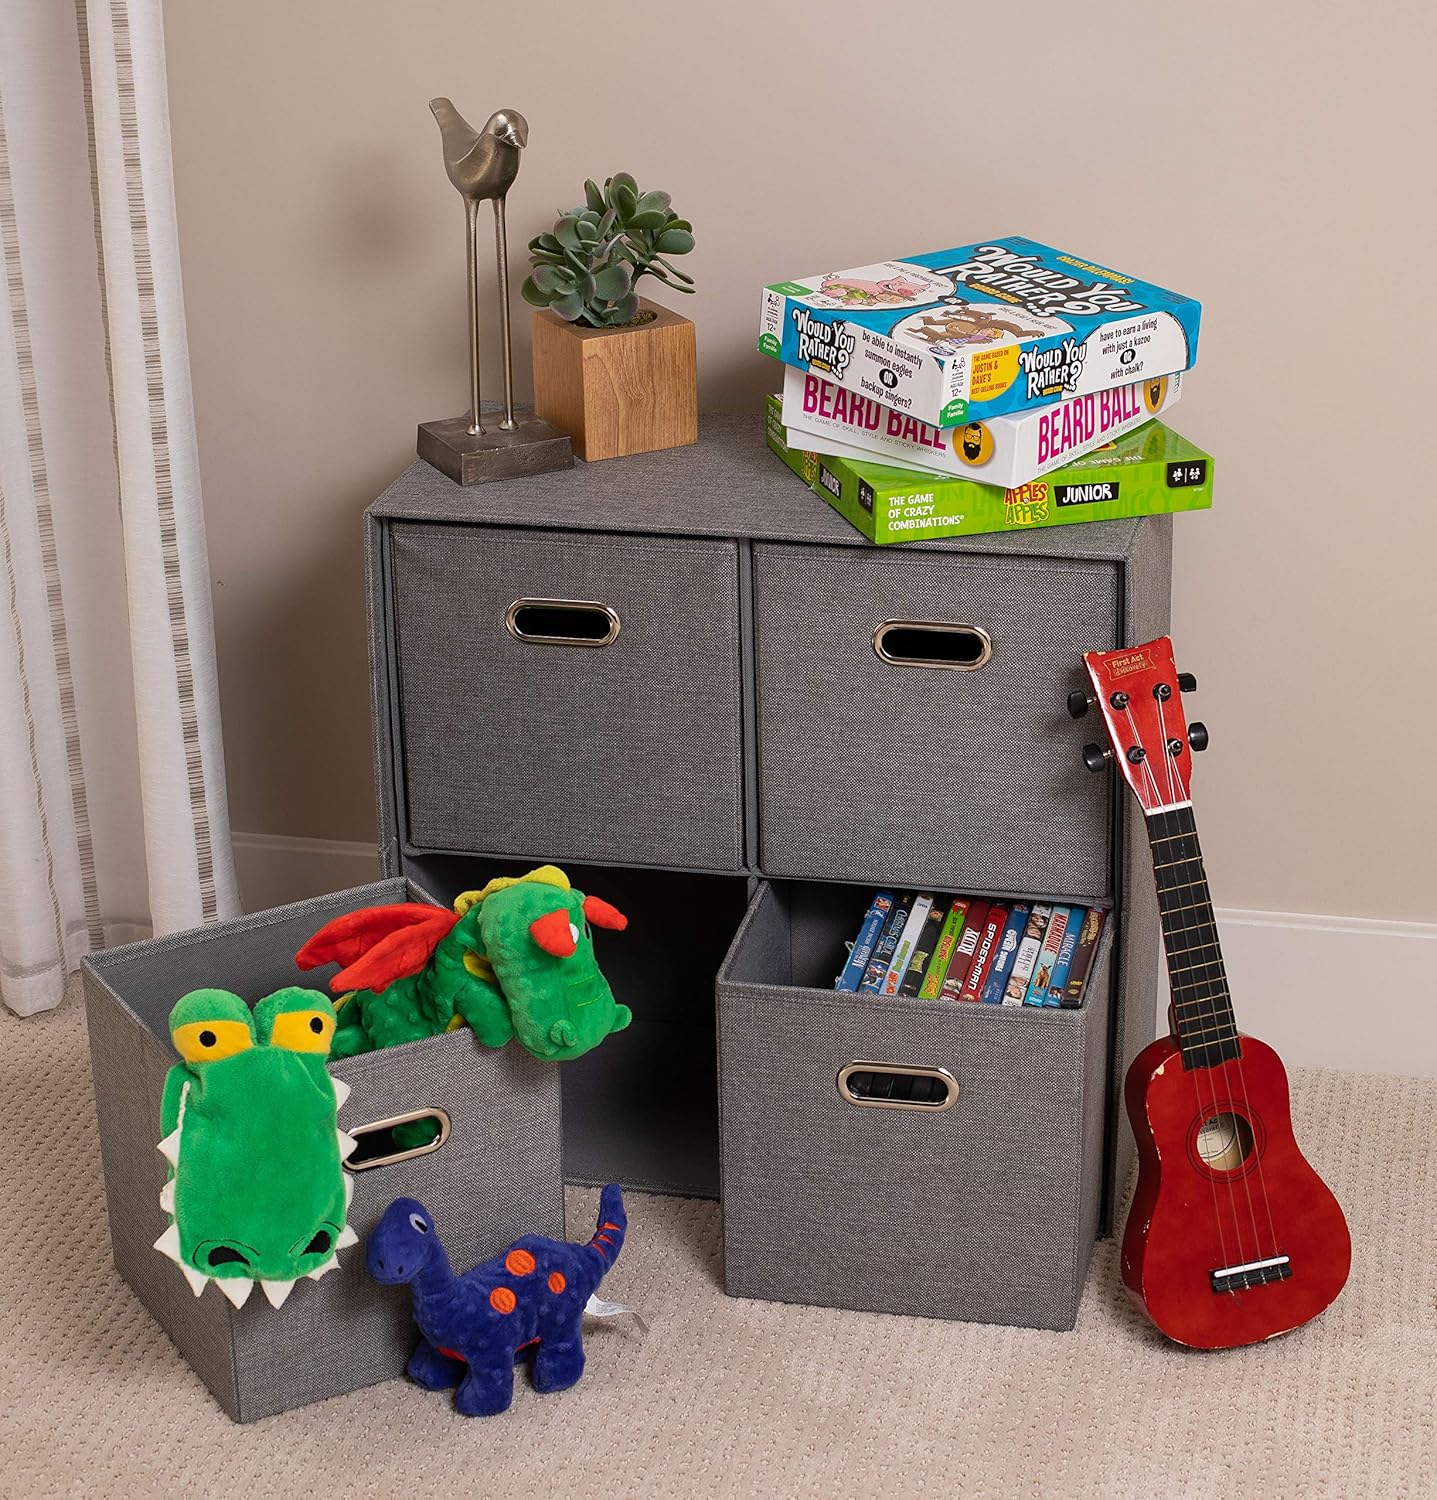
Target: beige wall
<point>1271,159</point>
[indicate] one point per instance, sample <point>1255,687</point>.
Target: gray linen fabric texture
<point>923,776</point>
<point>986,1211</point>
<point>499,1175</point>
<point>627,752</point>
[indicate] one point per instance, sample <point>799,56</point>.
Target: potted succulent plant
<point>616,372</point>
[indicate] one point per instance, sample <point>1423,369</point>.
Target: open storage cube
<point>497,1174</point>
<point>980,1203</point>
<point>642,1107</point>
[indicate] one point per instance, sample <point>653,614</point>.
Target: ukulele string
<point>1171,933</point>
<point>1210,941</point>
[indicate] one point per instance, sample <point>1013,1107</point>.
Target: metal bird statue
<point>482,164</point>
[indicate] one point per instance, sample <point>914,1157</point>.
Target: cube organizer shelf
<point>684,678</point>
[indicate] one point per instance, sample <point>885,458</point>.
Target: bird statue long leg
<point>483,164</point>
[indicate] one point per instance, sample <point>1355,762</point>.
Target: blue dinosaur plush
<point>474,1328</point>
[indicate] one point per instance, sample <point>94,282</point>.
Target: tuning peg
<point>1095,757</point>
<point>1197,735</point>
<point>1079,703</point>
<point>1187,683</point>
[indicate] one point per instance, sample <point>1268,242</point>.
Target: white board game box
<point>983,330</point>
<point>1008,451</point>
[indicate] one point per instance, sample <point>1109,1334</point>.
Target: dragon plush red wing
<point>377,944</point>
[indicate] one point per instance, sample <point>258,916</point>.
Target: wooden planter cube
<point>618,390</point>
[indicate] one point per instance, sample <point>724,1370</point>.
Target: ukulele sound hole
<point>1224,1141</point>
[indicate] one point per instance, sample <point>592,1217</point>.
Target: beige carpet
<point>736,1398</point>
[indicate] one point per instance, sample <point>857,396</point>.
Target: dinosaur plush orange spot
<point>502,1300</point>
<point>556,1281</point>
<point>519,1263</point>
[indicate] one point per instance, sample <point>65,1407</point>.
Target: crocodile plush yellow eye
<point>296,1019</point>
<point>302,1031</point>
<point>207,1025</point>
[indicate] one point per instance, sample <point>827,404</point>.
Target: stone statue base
<point>532,447</point>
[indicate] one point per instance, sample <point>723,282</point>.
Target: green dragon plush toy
<point>256,1189</point>
<point>515,959</point>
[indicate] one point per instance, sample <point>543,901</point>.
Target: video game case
<point>924,948</point>
<point>882,956</point>
<point>978,331</point>
<point>1149,471</point>
<point>1007,451</point>
<point>1083,954</point>
<point>1026,958</point>
<point>985,953</point>
<point>907,941</point>
<point>1047,956</point>
<point>943,954</point>
<point>1004,954</point>
<point>869,932</point>
<point>1062,964</point>
<point>962,964</point>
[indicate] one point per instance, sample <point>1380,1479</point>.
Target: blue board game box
<point>984,330</point>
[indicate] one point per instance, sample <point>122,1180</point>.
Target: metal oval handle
<point>859,1083</point>
<point>359,1163</point>
<point>561,622</point>
<point>933,643</point>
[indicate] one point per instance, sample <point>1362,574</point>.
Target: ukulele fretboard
<point>1206,1030</point>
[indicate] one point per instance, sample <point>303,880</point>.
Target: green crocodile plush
<point>515,959</point>
<point>256,1189</point>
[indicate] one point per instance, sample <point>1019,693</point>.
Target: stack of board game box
<point>966,948</point>
<point>995,386</point>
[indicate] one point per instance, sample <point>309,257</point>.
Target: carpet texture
<point>741,1398</point>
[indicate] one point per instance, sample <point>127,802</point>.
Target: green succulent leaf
<point>626,201</point>
<point>592,196</point>
<point>625,180</point>
<point>567,234</point>
<point>614,281</point>
<point>550,278</point>
<point>655,203</point>
<point>532,294</point>
<point>570,307</point>
<point>675,242</point>
<point>651,218</point>
<point>626,309</point>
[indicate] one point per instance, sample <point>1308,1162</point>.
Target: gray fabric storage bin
<point>627,752</point>
<point>920,775</point>
<point>497,1176</point>
<point>985,1211</point>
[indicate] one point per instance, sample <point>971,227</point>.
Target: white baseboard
<point>1325,991</point>
<point>1336,992</point>
<point>274,870</point>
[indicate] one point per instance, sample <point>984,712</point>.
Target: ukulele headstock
<point>1138,690</point>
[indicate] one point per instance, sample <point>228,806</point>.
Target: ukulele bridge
<point>1252,1273</point>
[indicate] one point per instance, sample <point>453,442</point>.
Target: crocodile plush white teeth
<point>341,1092</point>
<point>236,1288</point>
<point>346,1238</point>
<point>277,1291</point>
<point>197,1279</point>
<point>332,1264</point>
<point>347,1145</point>
<point>169,1243</point>
<point>348,1191</point>
<point>169,1148</point>
<point>167,1196</point>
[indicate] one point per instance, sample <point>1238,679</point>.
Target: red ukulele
<point>1232,1238</point>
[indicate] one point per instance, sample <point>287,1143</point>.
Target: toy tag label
<point>596,1307</point>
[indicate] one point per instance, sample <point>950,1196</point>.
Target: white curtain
<point>113,822</point>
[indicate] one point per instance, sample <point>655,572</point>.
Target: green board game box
<point>1150,471</point>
